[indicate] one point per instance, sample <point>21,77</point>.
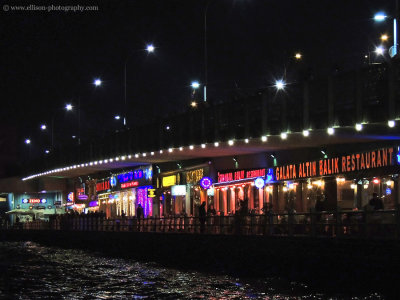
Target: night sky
<point>49,59</point>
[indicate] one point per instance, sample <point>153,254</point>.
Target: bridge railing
<point>357,224</point>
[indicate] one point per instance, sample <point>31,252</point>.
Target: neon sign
<point>129,176</point>
<point>83,197</point>
<point>70,197</point>
<point>270,175</point>
<point>259,182</point>
<point>113,181</point>
<point>129,184</point>
<point>206,183</point>
<point>34,200</point>
<point>101,186</point>
<point>337,165</point>
<point>239,175</point>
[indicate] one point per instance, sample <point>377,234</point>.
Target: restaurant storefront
<point>125,192</point>
<point>180,191</point>
<point>345,181</point>
<point>249,188</point>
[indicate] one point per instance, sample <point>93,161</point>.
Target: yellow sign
<point>3,199</point>
<point>194,176</point>
<point>169,180</point>
<point>151,193</point>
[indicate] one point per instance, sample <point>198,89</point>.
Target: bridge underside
<point>317,138</point>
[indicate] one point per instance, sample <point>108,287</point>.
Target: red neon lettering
<point>129,184</point>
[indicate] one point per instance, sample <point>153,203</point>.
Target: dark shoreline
<point>347,266</point>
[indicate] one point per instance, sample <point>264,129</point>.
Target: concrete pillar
<point>331,193</point>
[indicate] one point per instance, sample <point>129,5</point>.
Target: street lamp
<point>68,107</point>
<point>43,127</point>
<point>195,84</point>
<point>380,17</point>
<point>27,141</point>
<point>97,82</point>
<point>280,84</point>
<point>150,49</point>
<point>379,50</point>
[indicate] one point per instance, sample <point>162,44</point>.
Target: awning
<point>20,212</point>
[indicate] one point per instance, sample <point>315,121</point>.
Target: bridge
<point>343,108</point>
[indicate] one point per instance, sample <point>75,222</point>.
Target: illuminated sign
<point>82,197</point>
<point>259,182</point>
<point>113,181</point>
<point>240,175</point>
<point>101,186</point>
<point>129,184</point>
<point>3,199</point>
<point>93,203</point>
<point>270,175</point>
<point>129,176</point>
<point>178,190</point>
<point>169,180</point>
<point>80,191</point>
<point>151,193</point>
<point>194,176</point>
<point>206,182</point>
<point>336,165</point>
<point>388,191</point>
<point>34,200</point>
<point>70,197</point>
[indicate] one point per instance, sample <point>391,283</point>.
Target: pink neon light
<point>145,202</point>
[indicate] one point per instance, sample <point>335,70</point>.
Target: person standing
<point>376,202</point>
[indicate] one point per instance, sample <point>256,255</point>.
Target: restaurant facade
<point>344,181</point>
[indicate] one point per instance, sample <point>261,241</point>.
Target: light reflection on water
<point>31,271</point>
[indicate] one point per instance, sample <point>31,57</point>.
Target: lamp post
<point>150,49</point>
<point>379,17</point>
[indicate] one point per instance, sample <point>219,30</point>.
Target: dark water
<point>31,271</point>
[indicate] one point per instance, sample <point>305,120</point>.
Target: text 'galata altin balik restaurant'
<point>344,182</point>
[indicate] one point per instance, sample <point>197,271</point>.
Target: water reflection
<point>31,271</point>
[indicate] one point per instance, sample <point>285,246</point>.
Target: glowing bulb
<point>359,127</point>
<point>306,133</point>
<point>230,142</point>
<point>331,130</point>
<point>283,135</point>
<point>391,123</point>
<point>264,138</point>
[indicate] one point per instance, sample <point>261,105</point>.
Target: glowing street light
<point>391,123</point>
<point>150,48</point>
<point>27,141</point>
<point>280,84</point>
<point>306,132</point>
<point>68,107</point>
<point>379,50</point>
<point>195,84</point>
<point>380,16</point>
<point>43,127</point>
<point>331,130</point>
<point>384,37</point>
<point>97,82</point>
<point>117,117</point>
<point>193,104</point>
<point>298,56</point>
<point>359,127</point>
